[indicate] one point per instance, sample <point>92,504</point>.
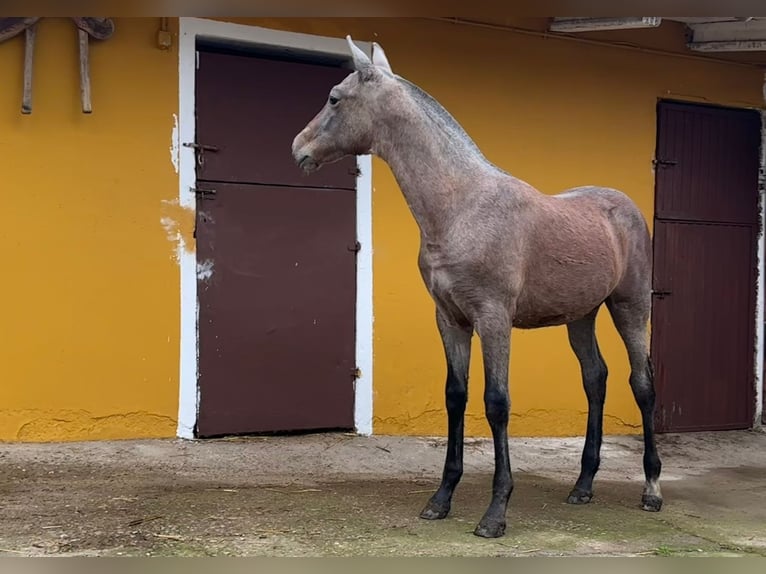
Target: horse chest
<point>440,282</point>
<point>449,282</point>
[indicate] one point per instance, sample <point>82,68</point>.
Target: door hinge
<point>664,162</point>
<point>355,171</point>
<point>355,248</point>
<point>356,373</point>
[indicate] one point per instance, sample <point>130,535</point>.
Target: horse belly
<point>562,294</point>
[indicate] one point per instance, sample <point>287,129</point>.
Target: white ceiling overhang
<point>705,34</point>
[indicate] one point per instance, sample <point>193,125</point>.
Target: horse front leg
<point>495,333</point>
<point>457,349</point>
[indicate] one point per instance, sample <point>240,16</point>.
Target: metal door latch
<point>201,149</point>
<point>664,162</point>
<point>203,193</point>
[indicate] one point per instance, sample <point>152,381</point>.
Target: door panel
<point>276,309</point>
<point>275,253</point>
<point>715,174</point>
<point>251,109</point>
<point>702,332</point>
<point>705,234</point>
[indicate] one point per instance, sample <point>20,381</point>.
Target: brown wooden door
<point>275,253</point>
<point>705,236</point>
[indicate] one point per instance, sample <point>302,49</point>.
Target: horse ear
<point>379,58</point>
<point>362,63</point>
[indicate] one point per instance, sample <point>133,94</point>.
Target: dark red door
<point>275,253</point>
<point>705,236</point>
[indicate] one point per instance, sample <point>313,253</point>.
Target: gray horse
<point>495,253</point>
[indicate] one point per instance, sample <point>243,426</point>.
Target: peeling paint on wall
<point>205,269</point>
<point>174,143</point>
<point>178,223</point>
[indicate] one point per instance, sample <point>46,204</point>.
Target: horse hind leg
<point>582,339</point>
<point>630,316</point>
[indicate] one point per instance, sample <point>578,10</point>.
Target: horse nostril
<point>303,160</point>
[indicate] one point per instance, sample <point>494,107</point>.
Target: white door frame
<point>190,29</point>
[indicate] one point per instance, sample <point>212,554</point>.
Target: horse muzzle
<point>307,163</point>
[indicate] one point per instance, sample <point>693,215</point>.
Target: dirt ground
<point>337,494</point>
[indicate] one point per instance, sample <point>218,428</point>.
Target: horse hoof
<point>490,529</point>
<point>651,503</point>
<point>579,497</point>
<point>435,511</point>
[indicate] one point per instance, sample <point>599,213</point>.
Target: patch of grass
<point>663,550</point>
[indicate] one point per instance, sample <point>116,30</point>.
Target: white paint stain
<point>171,228</point>
<point>205,269</point>
<point>174,235</point>
<point>207,217</point>
<point>174,143</point>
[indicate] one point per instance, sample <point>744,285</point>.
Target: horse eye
<point>333,100</point>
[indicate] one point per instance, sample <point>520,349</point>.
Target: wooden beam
<point>29,56</point>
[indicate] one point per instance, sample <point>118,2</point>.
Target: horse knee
<point>642,382</point>
<point>594,377</point>
<point>456,397</point>
<point>595,371</point>
<point>497,404</point>
<point>643,390</point>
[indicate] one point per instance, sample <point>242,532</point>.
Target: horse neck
<point>436,165</point>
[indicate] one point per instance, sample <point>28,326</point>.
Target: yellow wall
<point>90,321</point>
<point>90,341</point>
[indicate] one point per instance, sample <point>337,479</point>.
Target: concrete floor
<point>336,494</point>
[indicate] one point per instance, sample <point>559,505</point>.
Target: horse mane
<point>446,123</point>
